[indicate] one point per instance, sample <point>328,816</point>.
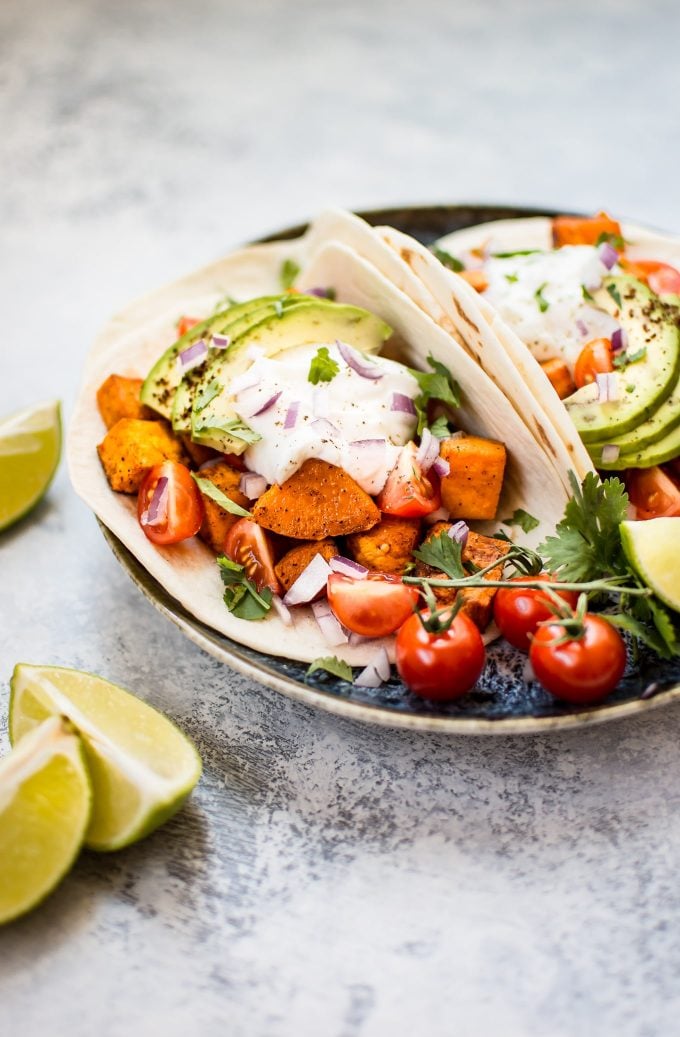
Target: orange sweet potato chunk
<point>118,397</point>
<point>580,230</point>
<point>387,547</point>
<point>216,521</point>
<point>560,377</point>
<point>482,550</point>
<point>318,501</point>
<point>298,558</point>
<point>473,486</point>
<point>133,446</point>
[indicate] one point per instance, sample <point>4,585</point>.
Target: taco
<point>319,427</point>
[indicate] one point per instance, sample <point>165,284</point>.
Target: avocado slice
<point>158,389</point>
<point>651,328</point>
<point>649,432</point>
<point>216,423</point>
<point>655,453</point>
<point>246,317</point>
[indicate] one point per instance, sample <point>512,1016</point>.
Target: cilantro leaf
<point>440,427</point>
<point>447,260</point>
<point>586,294</point>
<point>588,542</point>
<point>241,596</point>
<point>210,490</point>
<point>323,367</point>
<point>511,278</point>
<point>331,664</point>
<point>443,553</point>
<point>288,273</point>
<point>517,252</point>
<point>610,238</point>
<point>233,427</point>
<point>523,519</point>
<point>543,303</point>
<point>204,397</point>
<point>639,354</point>
<point>615,294</point>
<point>437,384</point>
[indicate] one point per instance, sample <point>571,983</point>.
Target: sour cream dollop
<point>348,421</point>
<point>541,296</point>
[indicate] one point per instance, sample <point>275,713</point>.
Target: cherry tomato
<point>185,323</point>
<point>579,230</point>
<point>594,358</point>
<point>581,671</point>
<point>654,493</point>
<point>374,607</point>
<point>179,508</point>
<point>440,666</point>
<point>518,612</point>
<point>662,278</point>
<point>247,544</point>
<point>408,492</point>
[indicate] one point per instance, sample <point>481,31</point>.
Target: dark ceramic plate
<point>503,702</point>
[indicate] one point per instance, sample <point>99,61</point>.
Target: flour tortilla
<point>133,340</point>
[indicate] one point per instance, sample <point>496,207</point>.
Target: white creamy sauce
<point>333,418</point>
<point>567,321</point>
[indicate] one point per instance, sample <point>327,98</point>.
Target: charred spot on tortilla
<point>545,438</point>
<point>463,316</point>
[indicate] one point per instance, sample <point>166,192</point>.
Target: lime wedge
<point>45,804</point>
<point>652,547</point>
<point>142,767</point>
<point>30,446</point>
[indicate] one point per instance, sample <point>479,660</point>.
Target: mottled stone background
<point>326,879</point>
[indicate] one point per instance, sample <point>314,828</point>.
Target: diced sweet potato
<point>579,230</point>
<point>481,550</point>
<point>133,446</point>
<point>217,522</point>
<point>387,547</point>
<point>560,377</point>
<point>118,397</point>
<point>318,501</point>
<point>298,558</point>
<point>473,486</point>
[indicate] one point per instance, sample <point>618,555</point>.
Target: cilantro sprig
<point>323,367</point>
<point>331,664</point>
<point>436,384</point>
<point>447,260</point>
<point>288,273</point>
<point>241,596</point>
<point>208,489</point>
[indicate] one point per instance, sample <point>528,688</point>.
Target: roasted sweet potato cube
<point>560,377</point>
<point>318,501</point>
<point>298,558</point>
<point>131,447</point>
<point>580,230</point>
<point>473,486</point>
<point>118,397</point>
<point>387,547</point>
<point>482,550</point>
<point>216,521</point>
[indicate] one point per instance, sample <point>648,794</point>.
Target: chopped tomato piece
<point>248,545</point>
<point>476,278</point>
<point>373,607</point>
<point>408,492</point>
<point>654,493</point>
<point>662,278</point>
<point>580,230</point>
<point>595,358</point>
<point>169,505</point>
<point>185,323</point>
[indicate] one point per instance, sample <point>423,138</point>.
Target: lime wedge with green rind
<point>45,808</point>
<point>142,766</point>
<point>652,548</point>
<point>30,447</point>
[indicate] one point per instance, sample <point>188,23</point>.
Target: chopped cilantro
<point>210,490</point>
<point>323,367</point>
<point>442,553</point>
<point>610,238</point>
<point>447,260</point>
<point>241,596</point>
<point>523,519</point>
<point>586,294</point>
<point>639,354</point>
<point>331,664</point>
<point>511,278</point>
<point>630,388</point>
<point>440,427</point>
<point>233,427</point>
<point>288,273</point>
<point>517,252</point>
<point>437,384</point>
<point>204,397</point>
<point>615,294</point>
<point>543,303</point>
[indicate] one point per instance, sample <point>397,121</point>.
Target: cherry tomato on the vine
<point>581,671</point>
<point>373,607</point>
<point>518,611</point>
<point>440,666</point>
<point>170,510</point>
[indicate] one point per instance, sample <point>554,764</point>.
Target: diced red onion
<point>608,255</point>
<point>252,485</point>
<point>211,463</point>
<point>193,356</point>
<point>220,341</point>
<point>581,327</point>
<point>291,415</point>
<point>358,639</point>
<point>321,293</point>
<point>309,583</point>
<point>382,664</point>
<point>607,387</point>
<point>402,404</point>
<point>353,360</point>
<point>158,505</point>
<point>329,626</point>
<point>368,678</point>
<point>267,405</point>
<point>372,451</point>
<point>441,466</point>
<point>428,451</point>
<point>324,429</point>
<point>610,453</point>
<point>459,531</point>
<point>348,567</point>
<point>440,515</point>
<point>244,382</point>
<point>282,610</point>
<point>528,674</point>
<point>619,340</point>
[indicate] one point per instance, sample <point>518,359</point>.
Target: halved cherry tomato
<point>440,666</point>
<point>518,611</point>
<point>653,491</point>
<point>185,323</point>
<point>179,508</point>
<point>476,278</point>
<point>594,358</point>
<point>374,607</point>
<point>408,492</point>
<point>581,671</point>
<point>662,278</point>
<point>579,230</point>
<point>248,545</point>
